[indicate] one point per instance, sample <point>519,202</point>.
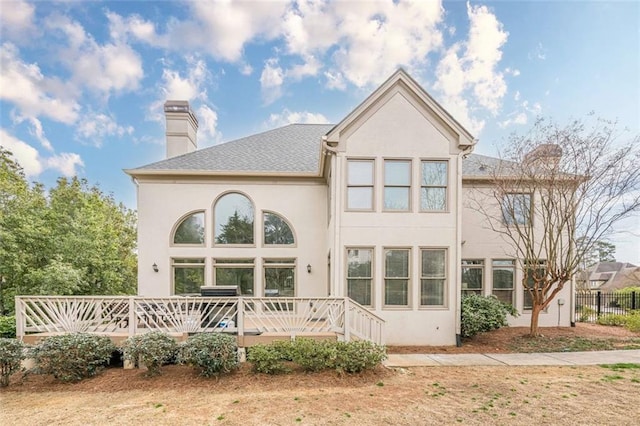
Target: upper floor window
<point>276,230</point>
<point>516,209</point>
<point>433,186</point>
<point>190,230</point>
<point>233,216</point>
<point>397,185</point>
<point>360,178</point>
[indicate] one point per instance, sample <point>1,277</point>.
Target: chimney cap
<point>177,106</point>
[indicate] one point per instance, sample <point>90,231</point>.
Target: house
<point>609,276</point>
<point>372,208</point>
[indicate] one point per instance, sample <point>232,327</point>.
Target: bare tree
<point>556,186</point>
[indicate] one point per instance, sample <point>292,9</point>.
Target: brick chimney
<point>547,154</point>
<point>182,128</point>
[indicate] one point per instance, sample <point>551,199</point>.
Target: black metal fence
<point>591,306</point>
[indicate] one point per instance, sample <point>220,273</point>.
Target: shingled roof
<point>294,148</point>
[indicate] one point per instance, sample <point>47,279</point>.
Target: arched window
<point>190,230</point>
<point>233,218</point>
<point>276,230</point>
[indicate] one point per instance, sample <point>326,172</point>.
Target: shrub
<point>72,357</point>
<point>268,359</point>
<point>211,353</point>
<point>152,349</point>
<point>314,355</point>
<point>11,354</point>
<point>630,321</point>
<point>480,314</point>
<point>359,355</point>
<point>586,313</point>
<point>8,327</point>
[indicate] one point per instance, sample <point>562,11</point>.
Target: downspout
<point>335,183</point>
<point>458,256</point>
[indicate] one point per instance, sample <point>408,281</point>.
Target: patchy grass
<point>525,344</point>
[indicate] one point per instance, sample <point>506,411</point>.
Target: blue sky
<point>82,83</point>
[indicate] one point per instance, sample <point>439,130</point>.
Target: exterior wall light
<point>309,268</point>
<point>155,267</point>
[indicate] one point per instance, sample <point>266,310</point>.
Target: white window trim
<point>447,188</point>
<point>372,186</point>
<point>373,266</point>
<point>409,279</point>
<point>409,186</point>
<point>445,305</point>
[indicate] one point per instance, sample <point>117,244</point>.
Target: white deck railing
<point>131,315</point>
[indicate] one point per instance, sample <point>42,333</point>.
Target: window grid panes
<point>396,277</point>
<point>433,189</point>
<point>233,218</point>
<point>359,275</point>
<point>190,230</point>
<point>360,178</point>
<point>433,277</point>
<point>516,209</point>
<point>397,185</point>
<point>503,280</point>
<point>472,276</point>
<point>188,275</point>
<point>235,272</point>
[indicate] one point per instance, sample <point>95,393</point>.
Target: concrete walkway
<point>550,358</point>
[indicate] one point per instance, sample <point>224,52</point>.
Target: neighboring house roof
<point>295,149</point>
<point>611,276</point>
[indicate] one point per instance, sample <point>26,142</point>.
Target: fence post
<point>633,300</point>
<point>132,316</point>
<point>240,319</point>
<point>598,301</point>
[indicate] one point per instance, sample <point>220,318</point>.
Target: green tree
<point>76,240</point>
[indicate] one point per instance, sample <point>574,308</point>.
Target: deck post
<point>347,326</point>
<point>20,318</point>
<point>132,316</point>
<point>240,319</point>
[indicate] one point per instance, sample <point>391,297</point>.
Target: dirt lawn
<point>428,395</point>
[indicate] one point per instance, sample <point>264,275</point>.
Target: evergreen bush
<point>72,357</point>
<point>152,349</point>
<point>480,314</point>
<point>11,355</point>
<point>211,353</point>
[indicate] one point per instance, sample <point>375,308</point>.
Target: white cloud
<point>271,80</point>
<point>539,53</point>
<point>208,126</point>
<point>66,163</point>
<point>289,117</point>
<point>335,80</point>
<point>33,164</point>
<point>246,69</point>
<point>188,87</point>
<point>522,113</point>
<point>516,96</point>
<point>512,71</point>
<point>35,129</point>
<point>467,74</point>
<point>24,85</point>
<point>16,17</point>
<point>516,118</point>
<point>113,67</point>
<point>94,127</point>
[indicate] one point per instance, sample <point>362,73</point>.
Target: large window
<point>433,277</point>
<point>233,219</point>
<point>188,275</point>
<point>535,271</point>
<point>397,185</point>
<point>396,277</point>
<point>503,280</point>
<point>280,280</point>
<point>276,230</point>
<point>472,273</point>
<point>237,272</point>
<point>433,186</point>
<point>190,230</point>
<point>516,209</point>
<point>360,177</point>
<point>359,275</point>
